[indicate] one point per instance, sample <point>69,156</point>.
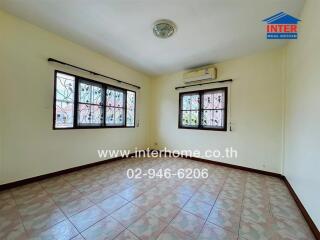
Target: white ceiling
<point>209,31</point>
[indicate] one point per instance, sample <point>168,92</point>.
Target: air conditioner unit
<point>200,74</point>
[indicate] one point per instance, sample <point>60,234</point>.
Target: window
<point>190,109</point>
<point>64,100</point>
<point>90,104</point>
<point>131,103</point>
<point>205,109</point>
<point>115,112</point>
<point>84,103</point>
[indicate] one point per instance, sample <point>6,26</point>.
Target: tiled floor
<point>102,203</point>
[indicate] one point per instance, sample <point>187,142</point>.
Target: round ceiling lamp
<point>164,28</point>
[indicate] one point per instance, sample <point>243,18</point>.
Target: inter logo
<point>282,26</point>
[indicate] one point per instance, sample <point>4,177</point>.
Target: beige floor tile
<point>126,235</point>
<point>211,231</point>
<point>128,214</point>
<point>112,203</point>
<point>228,220</point>
<point>62,231</point>
<point>173,234</point>
<point>107,228</point>
<point>87,218</point>
<point>188,223</point>
<point>148,227</point>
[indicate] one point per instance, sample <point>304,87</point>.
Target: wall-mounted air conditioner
<point>200,74</point>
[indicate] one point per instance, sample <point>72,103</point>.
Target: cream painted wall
<point>256,113</point>
<point>302,161</point>
<point>1,128</point>
<point>30,145</point>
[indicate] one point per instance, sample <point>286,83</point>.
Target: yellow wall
<point>256,112</point>
<point>302,161</point>
<point>1,127</point>
<point>30,145</point>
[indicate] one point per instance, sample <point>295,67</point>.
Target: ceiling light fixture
<point>164,28</point>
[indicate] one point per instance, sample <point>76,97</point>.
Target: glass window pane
<point>119,116</point>
<point>190,118</point>
<point>218,118</point>
<point>130,118</point>
<point>65,85</point>
<point>115,101</point>
<point>97,95</point>
<point>218,100</point>
<point>97,115</point>
<point>110,98</point>
<point>214,108</point>
<point>213,99</point>
<point>84,93</point>
<point>90,114</point>
<point>84,114</point>
<point>190,101</point>
<point>110,116</point>
<point>90,93</point>
<point>131,98</point>
<point>185,118</point>
<point>207,101</point>
<point>115,97</point>
<point>195,102</point>
<point>119,99</point>
<point>114,116</point>
<point>207,118</point>
<point>186,102</point>
<point>213,118</point>
<point>64,114</point>
<point>194,118</point>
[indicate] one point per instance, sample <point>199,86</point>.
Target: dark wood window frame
<point>77,102</point>
<point>201,109</point>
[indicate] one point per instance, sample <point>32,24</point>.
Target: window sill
<point>90,127</point>
<point>209,129</point>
